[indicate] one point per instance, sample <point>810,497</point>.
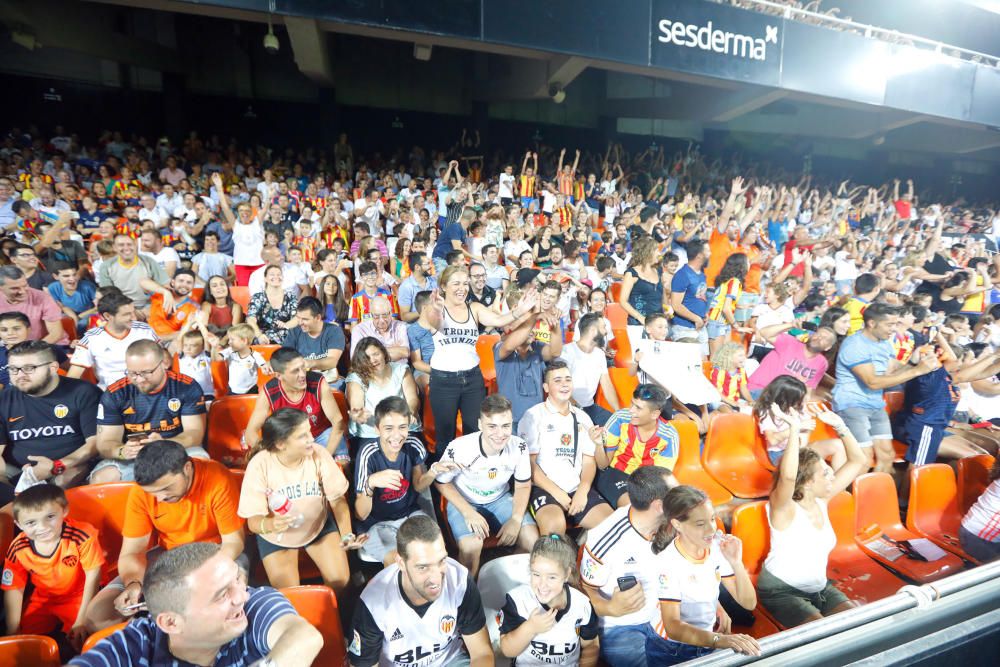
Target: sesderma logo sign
<point>709,38</point>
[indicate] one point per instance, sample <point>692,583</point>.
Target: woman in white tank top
<point>793,585</point>
<point>456,382</point>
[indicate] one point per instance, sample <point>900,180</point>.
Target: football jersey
<point>389,504</point>
<point>310,403</point>
<point>627,452</point>
<point>727,291</point>
<point>361,304</point>
<point>614,549</point>
<point>157,412</point>
<point>391,632</point>
<point>694,584</point>
<point>931,398</point>
<point>242,370</point>
<point>550,437</point>
<point>983,518</point>
<point>54,425</point>
<point>483,478</point>
<point>560,645</point>
<point>60,574</point>
<point>728,384</point>
<point>105,353</point>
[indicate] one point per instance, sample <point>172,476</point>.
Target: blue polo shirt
<point>849,391</point>
<point>141,642</point>
<point>452,232</point>
<point>693,286</point>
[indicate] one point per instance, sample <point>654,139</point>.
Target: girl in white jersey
<point>793,585</point>
<point>691,563</point>
<point>547,622</point>
<point>456,382</point>
<point>980,530</point>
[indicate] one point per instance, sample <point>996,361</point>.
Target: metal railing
<point>924,597</point>
<point>893,36</point>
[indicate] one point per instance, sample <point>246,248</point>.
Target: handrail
<point>871,30</point>
<point>908,597</point>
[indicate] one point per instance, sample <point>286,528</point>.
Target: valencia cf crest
<point>565,439</point>
<point>492,473</point>
<point>174,404</point>
<point>70,561</point>
<point>499,618</point>
<point>61,411</point>
<point>447,625</point>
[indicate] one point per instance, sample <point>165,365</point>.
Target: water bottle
<point>280,504</point>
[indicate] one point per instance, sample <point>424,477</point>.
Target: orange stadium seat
<point>751,526</point>
<point>973,478</point>
<point>487,362</point>
<point>6,529</point>
<point>877,514</point>
<point>729,456</point>
<point>101,634</point>
<point>241,295</point>
<point>624,384</point>
<point>33,650</point>
<point>227,420</point>
<point>616,292</point>
<point>932,511</point>
<point>859,577</point>
<point>220,378</point>
<point>103,507</point>
<point>318,605</point>
<point>616,315</point>
<point>689,470</point>
<point>623,349</point>
<point>69,326</point>
<point>265,350</point>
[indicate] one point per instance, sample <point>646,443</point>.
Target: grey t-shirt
<point>331,338</point>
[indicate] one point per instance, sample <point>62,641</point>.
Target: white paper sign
<point>677,366</point>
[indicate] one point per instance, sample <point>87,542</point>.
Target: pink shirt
<point>789,358</point>
<point>40,308</point>
<point>394,337</point>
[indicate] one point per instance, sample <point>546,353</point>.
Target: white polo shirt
<point>550,436</point>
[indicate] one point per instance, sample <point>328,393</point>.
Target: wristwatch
<point>58,467</point>
<point>715,641</point>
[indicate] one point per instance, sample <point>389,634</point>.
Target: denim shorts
<point>127,468</point>
<point>717,329</point>
<point>867,424</point>
<point>496,513</point>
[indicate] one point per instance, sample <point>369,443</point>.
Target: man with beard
<point>167,325</point>
<point>49,421</point>
<point>414,611</point>
<point>588,364</point>
<point>790,356</point>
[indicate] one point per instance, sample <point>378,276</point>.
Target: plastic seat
<point>616,315</point>
<point>623,348</point>
<point>241,295</point>
<point>751,526</point>
<point>932,511</point>
<point>197,294</point>
<point>487,361</point>
<point>69,326</point>
<point>877,513</point>
<point>101,634</point>
<point>688,468</point>
<point>227,420</point>
<point>6,529</point>
<point>497,578</point>
<point>973,478</point>
<point>859,577</point>
<point>615,292</point>
<point>220,378</point>
<point>893,404</point>
<point>103,507</point>
<point>33,650</point>
<point>729,457</point>
<point>624,384</point>
<point>265,350</point>
<point>318,605</point>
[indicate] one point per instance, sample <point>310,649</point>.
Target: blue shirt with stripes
<point>141,642</point>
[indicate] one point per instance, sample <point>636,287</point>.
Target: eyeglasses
<point>145,375</point>
<point>27,370</point>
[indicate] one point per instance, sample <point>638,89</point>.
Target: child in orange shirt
<point>59,557</point>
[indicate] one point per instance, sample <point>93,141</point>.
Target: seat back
<point>841,512</point>
<point>751,526</point>
<point>729,456</point>
<point>69,326</point>
<point>227,420</point>
<point>318,605</point>
<point>93,639</point>
<point>6,529</point>
<point>103,507</point>
<point>265,350</point>
<point>688,468</point>
<point>933,506</point>
<point>973,478</point>
<point>33,650</point>
<point>615,292</point>
<point>616,315</point>
<point>220,378</point>
<point>241,295</point>
<point>876,502</point>
<point>893,401</point>
<point>623,348</point>
<point>487,362</point>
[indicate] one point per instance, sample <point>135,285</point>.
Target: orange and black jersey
<point>158,412</point>
<point>60,574</point>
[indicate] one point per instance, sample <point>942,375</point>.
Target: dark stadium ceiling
<point>696,101</point>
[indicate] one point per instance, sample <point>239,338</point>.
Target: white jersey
<point>692,583</point>
<point>616,549</point>
<point>550,437</point>
<point>200,369</point>
<point>506,187</point>
<point>983,518</point>
<point>587,369</point>
<point>105,353</point>
<point>561,644</point>
<point>481,478</point>
<point>389,631</point>
<point>242,370</point>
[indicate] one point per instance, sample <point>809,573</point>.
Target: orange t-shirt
<point>61,574</point>
<point>752,283</point>
<point>164,324</point>
<point>721,248</point>
<point>204,514</point>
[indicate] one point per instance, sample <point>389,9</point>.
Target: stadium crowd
<point>400,365</point>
